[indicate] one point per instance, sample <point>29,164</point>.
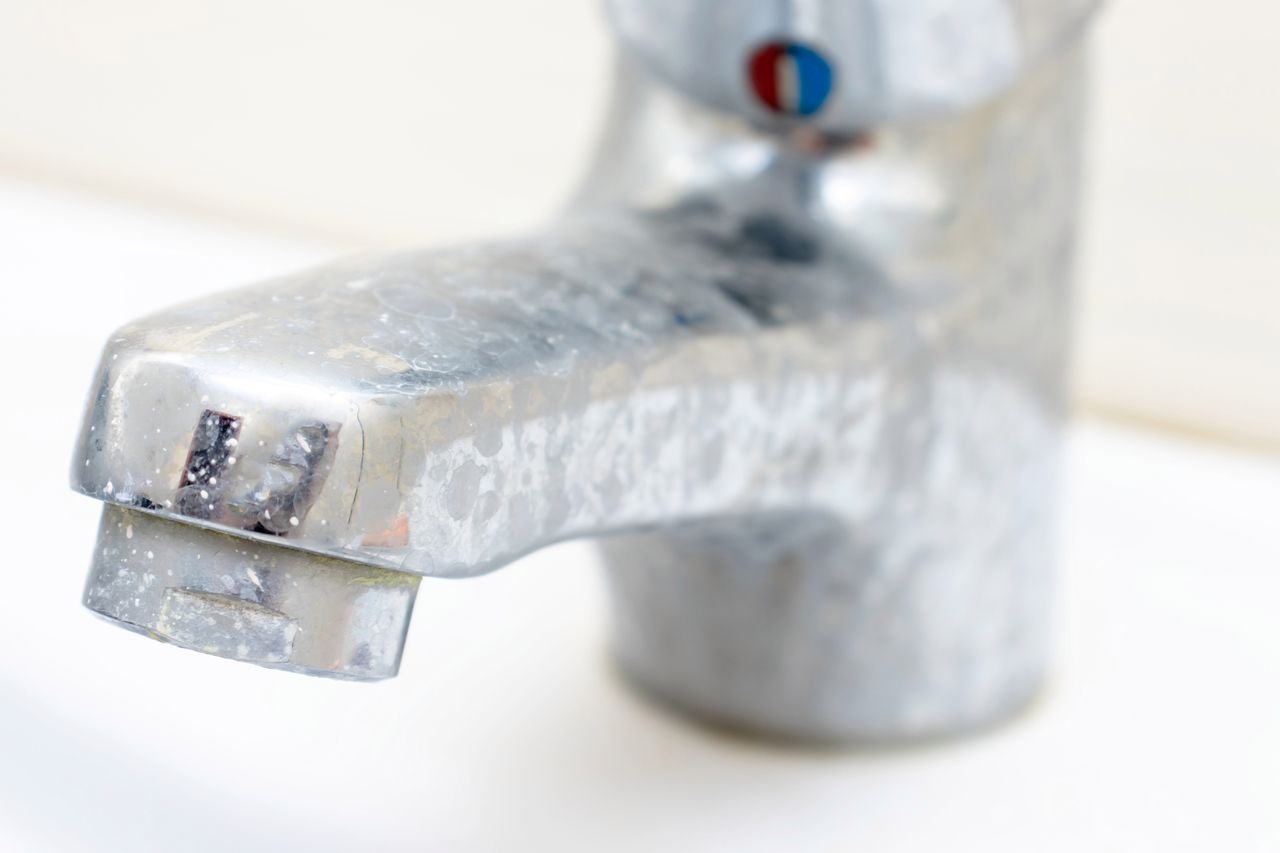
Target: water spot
<point>409,294</point>
<point>463,488</point>
<point>487,506</point>
<point>489,442</point>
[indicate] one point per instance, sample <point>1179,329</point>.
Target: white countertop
<point>507,729</point>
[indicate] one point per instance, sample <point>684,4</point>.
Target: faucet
<point>794,354</point>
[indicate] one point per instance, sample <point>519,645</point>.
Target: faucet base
<point>248,600</point>
<point>739,722</point>
<point>809,629</point>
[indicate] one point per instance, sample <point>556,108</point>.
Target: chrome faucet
<point>795,353</point>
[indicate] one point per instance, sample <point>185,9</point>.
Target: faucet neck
<point>660,148</point>
<point>918,200</point>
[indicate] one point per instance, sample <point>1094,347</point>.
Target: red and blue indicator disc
<point>790,78</point>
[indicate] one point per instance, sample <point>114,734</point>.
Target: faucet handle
<point>841,66</point>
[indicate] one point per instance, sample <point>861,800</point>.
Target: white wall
<point>386,121</point>
<point>1182,263</point>
<point>378,121</point>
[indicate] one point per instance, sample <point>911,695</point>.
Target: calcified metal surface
<point>806,385</point>
<point>236,598</point>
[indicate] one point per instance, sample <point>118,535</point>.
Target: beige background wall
<point>384,122</point>
<point>1182,257</point>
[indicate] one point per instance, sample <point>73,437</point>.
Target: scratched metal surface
<point>811,385</point>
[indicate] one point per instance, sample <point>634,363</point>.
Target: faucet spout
<point>443,413</point>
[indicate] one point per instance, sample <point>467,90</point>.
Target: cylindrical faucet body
<point>920,606</point>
